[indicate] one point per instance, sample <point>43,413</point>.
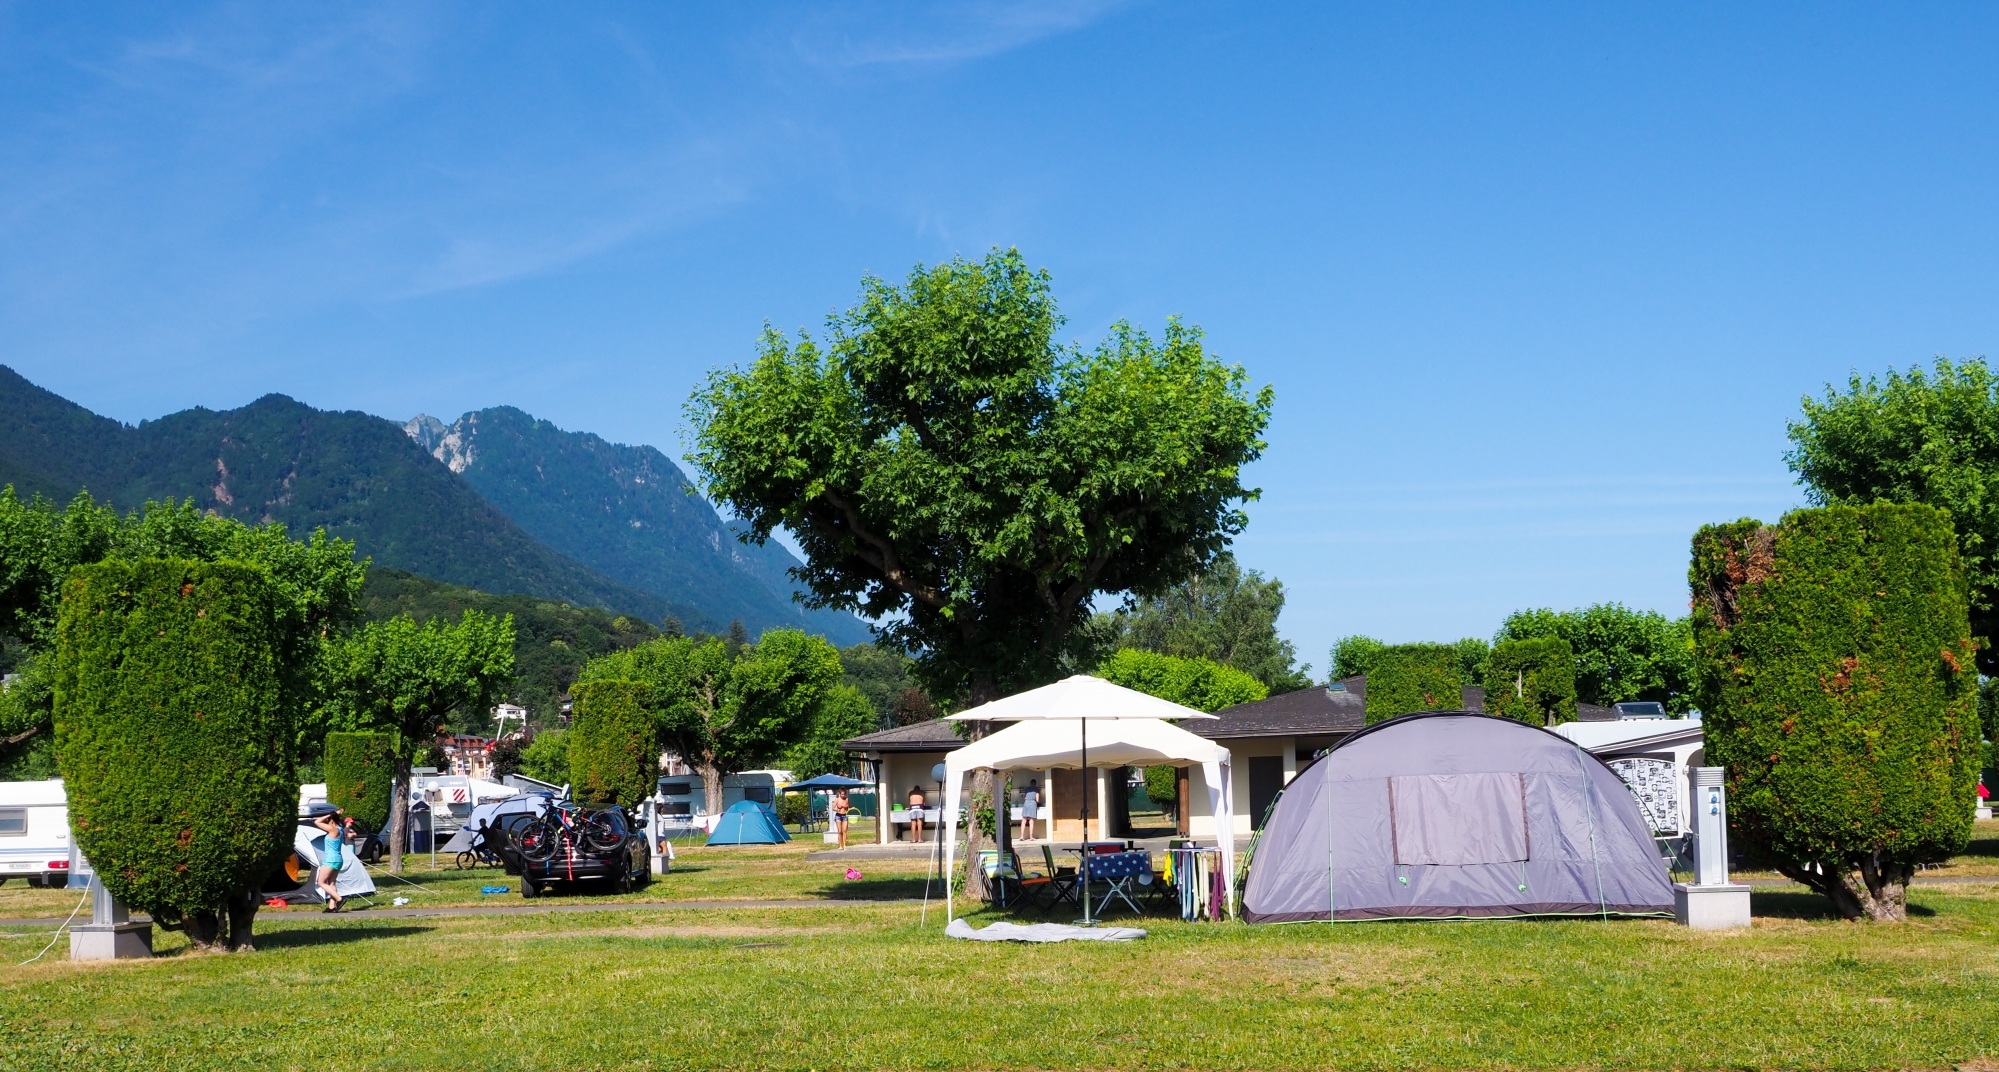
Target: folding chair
<point>1060,882</point>
<point>1001,878</point>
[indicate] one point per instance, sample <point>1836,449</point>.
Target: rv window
<point>676,807</point>
<point>676,789</point>
<point>759,793</point>
<point>1458,819</point>
<point>13,822</point>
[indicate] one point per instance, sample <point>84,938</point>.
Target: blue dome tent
<point>748,823</point>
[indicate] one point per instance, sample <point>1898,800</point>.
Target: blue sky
<point>1537,286</point>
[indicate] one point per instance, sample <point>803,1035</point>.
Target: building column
<point>1290,759</point>
<point>881,800</point>
<point>1103,804</point>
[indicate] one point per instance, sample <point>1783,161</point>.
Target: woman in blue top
<point>331,859</point>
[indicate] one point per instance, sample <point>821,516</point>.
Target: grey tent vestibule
<point>1453,815</point>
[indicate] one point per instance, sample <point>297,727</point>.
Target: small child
<point>331,860</point>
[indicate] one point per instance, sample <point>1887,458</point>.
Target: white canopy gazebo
<point>1112,727</point>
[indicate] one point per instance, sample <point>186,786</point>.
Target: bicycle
<point>569,838</point>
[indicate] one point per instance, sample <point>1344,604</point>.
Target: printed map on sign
<point>1658,792</point>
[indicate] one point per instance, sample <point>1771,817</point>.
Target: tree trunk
<point>1872,890</point>
<point>711,785</point>
<point>399,814</point>
<point>975,838</point>
<point>242,919</point>
<point>203,928</point>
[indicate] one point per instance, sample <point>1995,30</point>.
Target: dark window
<point>677,807</point>
<point>676,789</point>
<point>1266,777</point>
<point>13,822</point>
<point>759,793</point>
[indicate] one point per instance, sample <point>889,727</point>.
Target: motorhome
<point>34,832</point>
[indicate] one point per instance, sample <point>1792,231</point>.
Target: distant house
<point>1270,740</point>
<point>468,755</point>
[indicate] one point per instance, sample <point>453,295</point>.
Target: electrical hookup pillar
<point>111,934</point>
<point>1710,902</point>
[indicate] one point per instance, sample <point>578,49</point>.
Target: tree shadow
<point>1805,905</point>
<point>880,889</point>
<point>1981,847</point>
<point>303,937</point>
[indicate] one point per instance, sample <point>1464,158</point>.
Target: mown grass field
<point>857,985</point>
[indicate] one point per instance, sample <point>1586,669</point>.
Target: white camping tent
<point>1055,731</point>
<point>309,842</point>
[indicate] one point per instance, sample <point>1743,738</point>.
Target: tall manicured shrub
<point>174,738</point>
<point>1202,684</point>
<point>613,751</point>
<point>1533,681</point>
<point>1406,678</point>
<point>360,767</point>
<point>1838,688</point>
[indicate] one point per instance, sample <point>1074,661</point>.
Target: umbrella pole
<point>1083,862</point>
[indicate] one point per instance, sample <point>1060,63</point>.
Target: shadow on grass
<point>303,937</point>
<point>1981,847</point>
<point>1811,906</point>
<point>879,889</point>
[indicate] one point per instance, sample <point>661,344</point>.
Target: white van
<point>34,832</point>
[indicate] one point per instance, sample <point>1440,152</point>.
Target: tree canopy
<point>1915,438</point>
<point>952,471</point>
<point>1223,614</point>
<point>1621,654</point>
<point>1202,684</point>
<point>725,707</point>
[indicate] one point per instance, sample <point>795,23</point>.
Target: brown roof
<point>935,735</point>
<point>1321,710</point>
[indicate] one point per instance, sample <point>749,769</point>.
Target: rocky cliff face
<point>628,512</point>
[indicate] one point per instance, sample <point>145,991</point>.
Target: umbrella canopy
<point>1039,745</point>
<point>1078,697</point>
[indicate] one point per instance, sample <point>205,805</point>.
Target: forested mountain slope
<point>627,512</point>
<point>276,459</point>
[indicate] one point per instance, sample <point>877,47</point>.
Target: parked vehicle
<point>34,832</point>
<point>570,844</point>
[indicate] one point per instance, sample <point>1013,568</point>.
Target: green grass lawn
<point>860,985</point>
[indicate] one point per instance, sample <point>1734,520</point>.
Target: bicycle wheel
<point>466,860</point>
<point>540,841</point>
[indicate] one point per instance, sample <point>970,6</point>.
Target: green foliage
<point>1472,655</point>
<point>546,758</point>
<point>844,712</point>
<point>954,472</point>
<point>1201,684</point>
<point>724,712</point>
<point>1533,681</point>
<point>1839,692</point>
<point>360,768</point>
<point>552,640</point>
<point>1162,784</point>
<point>1221,614</point>
<point>1354,656</point>
<point>1621,654</point>
<point>316,581</point>
<point>405,678</point>
<point>1406,678</point>
<point>792,808</point>
<point>1921,438</point>
<point>613,749</point>
<point>172,731</point>
<point>884,676</point>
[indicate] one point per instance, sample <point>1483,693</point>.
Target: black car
<point>569,844</point>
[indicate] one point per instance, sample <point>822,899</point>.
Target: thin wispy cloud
<point>943,33</point>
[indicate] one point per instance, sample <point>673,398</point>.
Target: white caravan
<point>34,832</point>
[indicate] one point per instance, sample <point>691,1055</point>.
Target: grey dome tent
<point>1452,815</point>
<point>748,822</point>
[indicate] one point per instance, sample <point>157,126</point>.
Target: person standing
<point>840,807</point>
<point>1030,808</point>
<point>331,859</point>
<point>916,813</point>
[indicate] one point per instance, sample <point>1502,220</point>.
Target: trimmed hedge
<point>360,770</point>
<point>1533,681</point>
<point>1202,684</point>
<point>1407,678</point>
<point>613,750</point>
<point>172,731</point>
<point>1839,689</point>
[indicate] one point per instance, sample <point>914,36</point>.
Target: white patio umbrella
<point>1083,699</point>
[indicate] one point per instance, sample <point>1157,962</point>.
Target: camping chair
<point>1061,882</point>
<point>1002,878</point>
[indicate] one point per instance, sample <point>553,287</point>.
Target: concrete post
<point>1710,902</point>
<point>110,934</point>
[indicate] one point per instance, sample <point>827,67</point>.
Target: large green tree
<point>956,474</point>
<point>1620,653</point>
<point>317,582</point>
<point>726,706</point>
<point>406,678</point>
<point>1916,437</point>
<point>1223,614</point>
